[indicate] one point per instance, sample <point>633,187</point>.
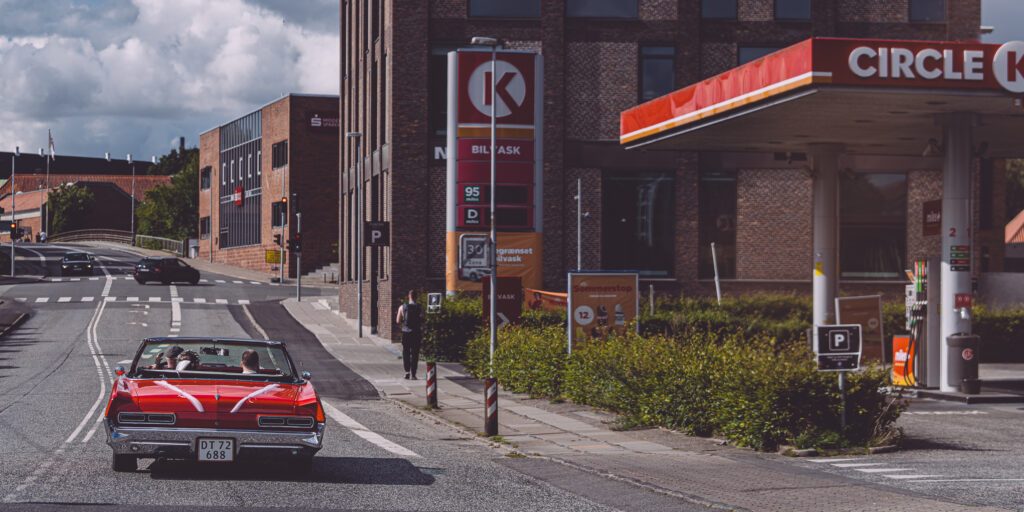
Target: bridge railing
<point>120,237</point>
<point>160,244</point>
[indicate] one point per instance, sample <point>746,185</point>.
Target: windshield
<point>210,359</point>
<point>76,256</point>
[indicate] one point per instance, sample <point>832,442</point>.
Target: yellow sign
<point>519,255</point>
<point>819,268</point>
<point>273,256</point>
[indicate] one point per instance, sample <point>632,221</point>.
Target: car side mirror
<point>307,375</point>
<point>119,371</point>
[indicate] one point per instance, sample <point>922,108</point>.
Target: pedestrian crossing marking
<point>87,299</point>
<point>94,279</point>
<point>132,299</point>
<point>243,302</point>
<point>43,299</point>
<point>64,299</point>
<point>110,299</point>
<point>237,282</point>
<point>221,281</point>
<point>76,279</point>
<point>199,300</point>
<point>222,301</point>
<point>155,299</point>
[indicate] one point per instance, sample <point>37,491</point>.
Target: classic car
<point>213,400</point>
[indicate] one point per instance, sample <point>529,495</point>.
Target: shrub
<point>447,332</point>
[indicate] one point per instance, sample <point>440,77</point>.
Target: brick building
<point>246,167</point>
<point>653,212</point>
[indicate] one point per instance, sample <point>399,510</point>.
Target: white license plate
<point>216,450</point>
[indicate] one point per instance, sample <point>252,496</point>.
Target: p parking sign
<point>838,347</point>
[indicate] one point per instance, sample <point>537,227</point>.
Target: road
<point>56,369</point>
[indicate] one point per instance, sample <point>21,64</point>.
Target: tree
<point>170,211</point>
<point>69,207</point>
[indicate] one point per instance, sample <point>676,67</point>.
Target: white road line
<point>911,477</point>
<point>106,287</point>
<point>109,299</point>
<point>221,281</point>
<point>204,280</point>
<point>243,302</point>
<point>132,299</point>
<point>255,282</point>
<point>155,299</point>
<point>175,312</point>
<point>222,301</point>
<point>21,299</point>
<point>969,480</point>
<point>823,461</point>
<point>89,337</point>
<point>175,329</point>
<point>42,299</point>
<point>237,282</point>
<point>64,299</point>
<point>199,300</point>
<point>858,465</point>
<point>254,323</point>
<point>87,299</point>
<point>361,431</point>
<point>57,279</point>
<point>883,470</point>
<point>94,279</point>
<point>174,291</point>
<point>76,279</point>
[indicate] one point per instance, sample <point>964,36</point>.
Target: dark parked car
<point>165,270</point>
<point>76,263</point>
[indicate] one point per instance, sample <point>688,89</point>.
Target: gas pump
<point>922,313</point>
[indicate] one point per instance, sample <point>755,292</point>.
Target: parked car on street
<point>213,401</point>
<point>76,263</point>
<point>165,270</point>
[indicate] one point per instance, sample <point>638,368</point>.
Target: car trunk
<point>215,403</point>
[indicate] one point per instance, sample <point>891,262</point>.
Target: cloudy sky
<point>133,75</point>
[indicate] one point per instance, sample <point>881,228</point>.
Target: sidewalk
<point>695,469</point>
<point>204,265</point>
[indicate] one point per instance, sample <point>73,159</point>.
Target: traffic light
<point>14,229</point>
<point>295,201</point>
<point>277,240</point>
<point>295,244</point>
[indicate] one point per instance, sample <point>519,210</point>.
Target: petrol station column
<point>826,226</point>
<point>956,234</point>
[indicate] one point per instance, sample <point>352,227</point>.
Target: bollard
<point>432,385</point>
<point>491,406</point>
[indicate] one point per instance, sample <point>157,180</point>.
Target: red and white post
<point>491,406</point>
<point>432,385</point>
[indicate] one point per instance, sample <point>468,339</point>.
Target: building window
<point>204,177</point>
<point>873,225</point>
<point>504,9</point>
<point>601,8</point>
<point>718,9</point>
<point>232,171</point>
<point>248,166</point>
<point>223,173</point>
<point>792,9</point>
<point>638,222</point>
<point>749,53</point>
<point>717,224</point>
<point>928,10</point>
<point>279,155</point>
<point>259,163</point>
<point>204,228</point>
<point>657,71</point>
<point>279,214</point>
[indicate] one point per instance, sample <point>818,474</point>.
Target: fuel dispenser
<point>918,354</point>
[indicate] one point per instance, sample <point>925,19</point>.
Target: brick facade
<point>590,75</point>
<point>311,172</point>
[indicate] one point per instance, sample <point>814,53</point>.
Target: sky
<point>131,76</point>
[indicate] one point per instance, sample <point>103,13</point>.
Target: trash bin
<point>962,361</point>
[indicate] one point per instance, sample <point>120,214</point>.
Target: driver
<point>250,362</point>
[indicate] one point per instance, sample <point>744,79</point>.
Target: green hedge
<point>446,332</point>
<point>751,391</point>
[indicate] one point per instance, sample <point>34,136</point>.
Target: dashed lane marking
<point>132,299</point>
<point>858,464</point>
<point>87,299</point>
<point>155,299</point>
<point>243,302</point>
<point>365,433</point>
<point>911,477</point>
<point>42,299</point>
<point>883,470</point>
<point>199,300</point>
<point>222,301</point>
<point>64,299</point>
<point>221,281</point>
<point>825,461</point>
<point>237,282</point>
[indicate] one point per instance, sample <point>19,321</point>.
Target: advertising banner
<point>510,300</point>
<point>903,361</point>
<point>865,311</point>
<point>601,303</point>
<point>518,192</point>
<point>537,300</point>
<point>519,254</point>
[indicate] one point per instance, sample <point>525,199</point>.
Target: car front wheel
<point>125,463</point>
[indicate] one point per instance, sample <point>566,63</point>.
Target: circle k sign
<point>510,88</point>
<point>1009,66</point>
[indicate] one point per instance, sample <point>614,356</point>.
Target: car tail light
<point>286,421</point>
<point>140,418</point>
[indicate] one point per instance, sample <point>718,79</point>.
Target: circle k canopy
<point>872,96</point>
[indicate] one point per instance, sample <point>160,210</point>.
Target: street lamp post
<point>132,164</point>
<point>14,209</point>
<point>358,136</point>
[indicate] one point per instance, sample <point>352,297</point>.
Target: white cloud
<point>120,76</point>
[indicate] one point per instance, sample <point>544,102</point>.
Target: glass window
<point>638,222</point>
<point>223,173</point>
<point>717,220</point>
<point>204,228</point>
<point>279,214</point>
<point>259,163</point>
<point>248,166</point>
<point>601,8</point>
<point>204,177</point>
<point>232,171</point>
<point>657,71</point>
<point>792,9</point>
<point>718,9</point>
<point>873,225</point>
<point>504,8</point>
<point>927,10</point>
<point>279,156</point>
<point>749,53</point>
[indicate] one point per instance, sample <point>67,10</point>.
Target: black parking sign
<point>377,234</point>
<point>838,347</point>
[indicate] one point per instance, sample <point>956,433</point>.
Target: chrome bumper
<point>181,442</point>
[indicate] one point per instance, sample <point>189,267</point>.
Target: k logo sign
<point>1009,66</point>
<point>510,89</point>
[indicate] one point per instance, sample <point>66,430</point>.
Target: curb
<point>13,325</point>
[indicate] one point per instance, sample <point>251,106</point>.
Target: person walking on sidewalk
<point>410,317</point>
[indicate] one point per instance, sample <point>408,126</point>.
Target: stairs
<point>325,274</point>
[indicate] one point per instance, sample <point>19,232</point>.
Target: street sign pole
<point>842,394</point>
<point>494,224</point>
<point>298,258</point>
<point>14,210</point>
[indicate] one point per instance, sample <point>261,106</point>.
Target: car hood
<point>208,396</point>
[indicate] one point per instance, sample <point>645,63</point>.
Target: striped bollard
<point>491,406</point>
<point>432,385</point>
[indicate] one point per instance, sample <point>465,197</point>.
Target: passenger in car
<point>188,360</point>
<point>250,362</point>
<point>171,361</point>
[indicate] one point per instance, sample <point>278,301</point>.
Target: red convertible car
<point>214,401</point>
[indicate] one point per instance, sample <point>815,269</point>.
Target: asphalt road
<point>55,368</point>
